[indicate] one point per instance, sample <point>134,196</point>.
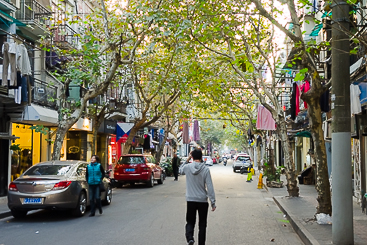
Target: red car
<point>133,168</point>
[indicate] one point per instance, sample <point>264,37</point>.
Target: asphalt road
<point>142,216</point>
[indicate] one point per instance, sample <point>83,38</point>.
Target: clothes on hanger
<point>196,131</point>
<point>146,145</point>
<point>324,101</point>
<point>185,133</point>
<point>355,103</point>
<point>264,120</point>
<point>295,101</point>
<point>305,87</point>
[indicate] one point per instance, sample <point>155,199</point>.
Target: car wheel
<point>150,182</point>
<point>18,214</point>
<point>108,199</point>
<point>161,180</point>
<point>81,206</point>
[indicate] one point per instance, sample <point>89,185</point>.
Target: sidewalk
<point>4,210</point>
<point>300,213</point>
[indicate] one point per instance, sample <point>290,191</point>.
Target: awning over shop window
<point>35,114</point>
<point>315,31</point>
<point>306,134</point>
<point>7,19</point>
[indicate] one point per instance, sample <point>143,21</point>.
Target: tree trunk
<point>60,135</point>
<point>322,180</point>
<point>130,139</point>
<point>292,188</point>
<point>94,140</point>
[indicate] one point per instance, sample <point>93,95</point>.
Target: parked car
<point>242,161</point>
<point>53,185</point>
<point>134,168</point>
<point>208,160</point>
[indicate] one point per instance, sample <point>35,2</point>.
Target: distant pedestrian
<point>175,163</point>
<point>199,187</point>
<point>94,176</point>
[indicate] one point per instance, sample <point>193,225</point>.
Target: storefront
<point>106,143</point>
<point>77,145</point>
<point>29,148</point>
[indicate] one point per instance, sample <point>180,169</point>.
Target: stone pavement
<point>301,211</point>
<point>4,210</point>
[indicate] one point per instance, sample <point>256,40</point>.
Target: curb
<point>5,214</point>
<point>301,231</point>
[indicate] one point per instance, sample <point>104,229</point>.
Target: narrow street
<point>140,215</point>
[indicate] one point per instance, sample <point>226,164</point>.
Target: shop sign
<point>123,131</point>
<point>109,127</point>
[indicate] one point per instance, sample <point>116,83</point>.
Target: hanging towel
<point>265,120</point>
<point>355,103</point>
<point>185,133</point>
<point>304,88</point>
<point>196,131</point>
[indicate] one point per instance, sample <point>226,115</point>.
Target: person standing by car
<point>175,163</point>
<point>199,187</point>
<point>94,176</point>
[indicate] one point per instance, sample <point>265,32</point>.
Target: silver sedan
<point>53,185</point>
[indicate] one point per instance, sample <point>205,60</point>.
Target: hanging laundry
<point>265,120</point>
<point>185,133</point>
<point>23,63</point>
<point>295,101</point>
<point>304,89</point>
<point>146,145</point>
<point>324,101</point>
<point>9,62</point>
<point>196,131</point>
<point>355,103</point>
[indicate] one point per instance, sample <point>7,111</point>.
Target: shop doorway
<point>4,166</point>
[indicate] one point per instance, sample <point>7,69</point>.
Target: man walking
<point>199,187</point>
<point>175,162</point>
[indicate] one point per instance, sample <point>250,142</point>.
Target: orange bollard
<point>260,184</point>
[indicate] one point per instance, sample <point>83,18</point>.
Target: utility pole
<point>342,202</point>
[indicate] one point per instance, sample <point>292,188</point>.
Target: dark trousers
<point>95,198</point>
<point>175,172</point>
<point>202,208</point>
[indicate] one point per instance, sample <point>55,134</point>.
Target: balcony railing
<point>44,94</point>
<point>31,10</point>
<point>65,36</point>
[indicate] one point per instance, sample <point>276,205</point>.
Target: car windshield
<point>243,158</point>
<point>48,170</point>
<point>131,160</point>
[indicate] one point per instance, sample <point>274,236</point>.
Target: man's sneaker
<point>191,242</point>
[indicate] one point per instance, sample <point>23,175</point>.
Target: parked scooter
<point>225,161</point>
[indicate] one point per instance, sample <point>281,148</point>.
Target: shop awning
<point>35,114</point>
<point>356,65</point>
<point>7,19</point>
<point>306,134</point>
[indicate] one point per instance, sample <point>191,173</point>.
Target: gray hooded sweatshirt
<point>199,185</point>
